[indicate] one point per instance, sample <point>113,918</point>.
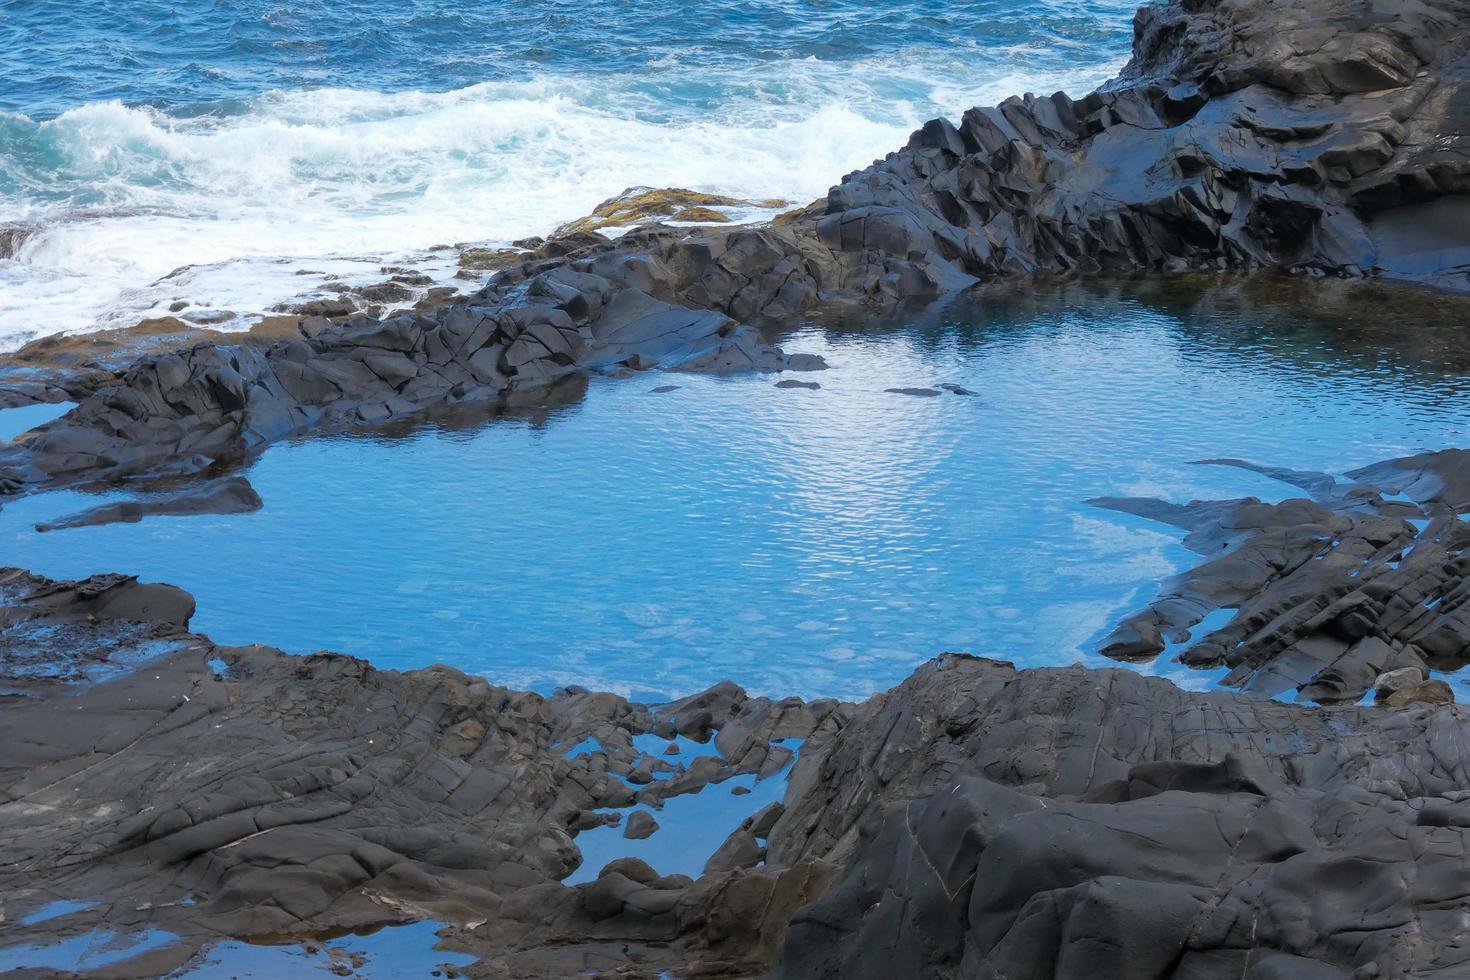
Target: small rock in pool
<point>806,362</point>
<point>916,392</point>
<point>740,791</point>
<point>665,389</point>
<point>958,389</point>
<point>640,825</point>
<point>792,383</point>
<point>1396,680</point>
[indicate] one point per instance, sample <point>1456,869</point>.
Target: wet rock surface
<point>638,205</point>
<point>54,632</point>
<point>1359,586</point>
<point>977,820</point>
<point>234,495</point>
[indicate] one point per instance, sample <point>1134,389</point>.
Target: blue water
<point>102,947</point>
<point>194,57</point>
<point>800,542</point>
<point>387,954</point>
<point>691,826</point>
<point>55,910</point>
<point>14,421</point>
<point>206,152</point>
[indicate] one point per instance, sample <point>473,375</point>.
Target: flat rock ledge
<point>975,821</point>
<point>1321,137</point>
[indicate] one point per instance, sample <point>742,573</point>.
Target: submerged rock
<point>231,496</point>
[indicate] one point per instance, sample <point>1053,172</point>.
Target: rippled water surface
<point>810,542</point>
<point>204,153</point>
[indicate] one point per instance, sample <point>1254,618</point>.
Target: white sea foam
<point>342,181</point>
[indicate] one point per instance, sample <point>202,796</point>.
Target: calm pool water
<point>801,542</point>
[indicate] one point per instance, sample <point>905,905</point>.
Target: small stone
<point>1429,692</point>
<point>792,383</point>
<point>916,392</point>
<point>640,825</point>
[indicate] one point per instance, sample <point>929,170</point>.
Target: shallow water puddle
<point>387,954</point>
<point>15,421</point>
<point>55,910</point>
<point>690,826</point>
<point>90,951</point>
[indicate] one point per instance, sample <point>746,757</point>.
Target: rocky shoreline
<point>975,821</point>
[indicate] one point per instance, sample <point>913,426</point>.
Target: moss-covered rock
<point>638,205</point>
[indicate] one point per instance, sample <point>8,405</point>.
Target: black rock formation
<point>976,821</point>
<point>1332,592</point>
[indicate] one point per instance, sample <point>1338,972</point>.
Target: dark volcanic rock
<point>1083,824</point>
<point>244,792</point>
<point>1331,593</point>
<point>975,821</point>
<point>231,496</point>
<point>56,633</point>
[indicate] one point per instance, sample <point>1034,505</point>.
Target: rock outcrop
<point>976,821</point>
<point>1079,824</point>
<point>1366,577</point>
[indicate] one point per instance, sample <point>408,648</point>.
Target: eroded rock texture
<point>1086,824</point>
<point>209,791</point>
<point>976,821</point>
<point>1364,578</point>
<point>1321,137</point>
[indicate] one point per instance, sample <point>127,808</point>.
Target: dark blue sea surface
<point>198,57</point>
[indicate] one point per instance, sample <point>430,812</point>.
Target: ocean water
<point>229,154</point>
<point>811,542</point>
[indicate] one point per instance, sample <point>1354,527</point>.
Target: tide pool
<point>818,543</point>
